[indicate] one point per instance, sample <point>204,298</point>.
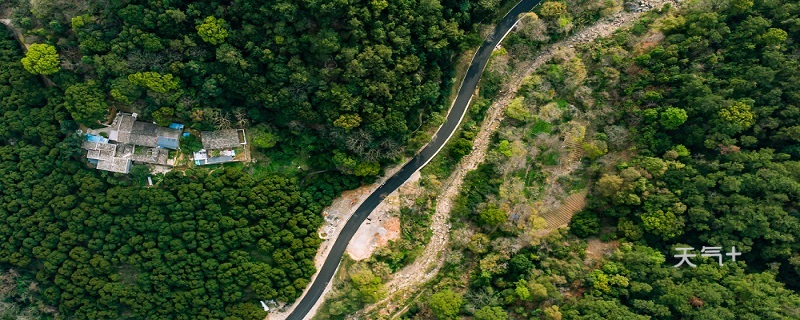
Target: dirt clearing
<point>383,223</point>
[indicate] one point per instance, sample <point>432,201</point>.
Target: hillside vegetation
<point>334,89</point>
<point>201,245</point>
<point>685,128</point>
<point>348,80</point>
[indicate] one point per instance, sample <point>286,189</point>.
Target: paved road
<point>457,112</point>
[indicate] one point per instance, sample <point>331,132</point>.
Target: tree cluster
<point>352,77</point>
<point>197,245</point>
<point>691,143</point>
<point>714,119</point>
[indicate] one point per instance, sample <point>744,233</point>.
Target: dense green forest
<point>202,245</point>
<point>687,125</point>
<point>349,80</point>
<point>352,79</point>
<point>712,110</point>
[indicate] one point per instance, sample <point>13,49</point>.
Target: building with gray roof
<point>125,129</point>
<point>131,141</point>
<point>115,165</point>
<point>104,155</point>
<point>221,146</point>
<point>222,139</point>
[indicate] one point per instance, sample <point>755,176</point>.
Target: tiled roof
<point>131,136</point>
<point>221,139</point>
<point>115,165</point>
<point>150,155</point>
<point>169,133</point>
<point>143,140</point>
<point>100,151</point>
<point>142,133</point>
<point>168,143</point>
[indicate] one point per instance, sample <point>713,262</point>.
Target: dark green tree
<point>86,102</point>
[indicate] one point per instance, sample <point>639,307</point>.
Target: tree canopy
<point>41,59</point>
<point>198,244</point>
<point>445,304</point>
<point>352,77</point>
<point>682,129</point>
<point>86,103</point>
<point>212,30</point>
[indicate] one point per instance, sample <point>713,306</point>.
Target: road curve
<point>459,108</point>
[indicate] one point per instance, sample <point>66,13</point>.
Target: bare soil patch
<point>383,223</point>
<point>597,249</point>
<point>560,215</point>
<point>335,215</point>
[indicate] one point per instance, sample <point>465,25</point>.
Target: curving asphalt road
<point>468,86</point>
